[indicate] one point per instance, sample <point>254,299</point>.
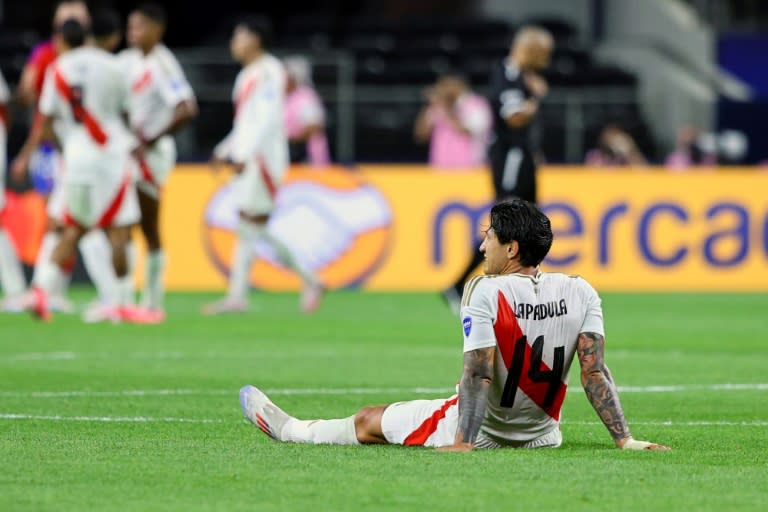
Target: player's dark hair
<point>73,33</point>
<point>154,12</point>
<point>521,221</point>
<point>259,26</point>
<point>106,22</point>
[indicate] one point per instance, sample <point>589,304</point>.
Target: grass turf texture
<point>369,341</point>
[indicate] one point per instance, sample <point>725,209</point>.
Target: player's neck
<point>252,57</point>
<point>146,50</point>
<point>514,267</point>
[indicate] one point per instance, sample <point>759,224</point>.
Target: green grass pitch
<point>120,417</point>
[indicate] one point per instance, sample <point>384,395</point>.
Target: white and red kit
<point>86,93</point>
<point>258,138</point>
<point>5,97</point>
<point>534,323</point>
<point>158,85</point>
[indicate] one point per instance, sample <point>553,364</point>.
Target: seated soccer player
<point>522,329</point>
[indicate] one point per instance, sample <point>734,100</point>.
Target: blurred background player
<point>456,122</point>
<point>43,161</point>
<point>258,148</point>
<point>11,274</point>
<point>86,91</point>
<point>304,115</point>
<point>517,88</point>
<point>162,101</point>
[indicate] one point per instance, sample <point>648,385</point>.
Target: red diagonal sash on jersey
<point>142,81</point>
<point>509,336</point>
<point>268,181</point>
<point>80,113</point>
<point>243,94</point>
<point>4,115</point>
<point>419,436</point>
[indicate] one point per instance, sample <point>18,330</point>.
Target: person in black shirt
<point>516,90</point>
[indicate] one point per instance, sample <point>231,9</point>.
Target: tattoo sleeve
<point>598,384</point>
<point>473,392</point>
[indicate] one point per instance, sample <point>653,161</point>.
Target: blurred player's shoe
<point>143,316</point>
<point>310,297</point>
<point>225,305</point>
<point>60,304</point>
<point>97,312</point>
<point>453,299</point>
<point>260,411</point>
<point>37,304</point>
<point>14,304</point>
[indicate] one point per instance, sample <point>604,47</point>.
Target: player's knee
<point>368,425</point>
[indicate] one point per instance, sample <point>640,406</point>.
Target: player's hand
<point>537,84</point>
<point>215,164</point>
<point>140,151</point>
<point>458,447</point>
<point>630,443</point>
<point>19,167</point>
<point>238,167</point>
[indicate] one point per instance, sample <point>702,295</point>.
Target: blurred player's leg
<point>126,283</point>
<point>236,301</point>
<point>97,256</point>
<point>11,274</point>
<point>152,296</point>
<point>280,426</point>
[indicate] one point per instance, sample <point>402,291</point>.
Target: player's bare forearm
<point>183,114</point>
<point>598,384</point>
<point>473,393</point>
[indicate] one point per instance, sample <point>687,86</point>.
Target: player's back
<point>534,321</point>
<point>86,90</point>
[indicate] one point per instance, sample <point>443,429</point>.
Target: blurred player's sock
<point>126,283</point>
<point>152,297</point>
<point>239,281</point>
<point>58,287</point>
<point>279,425</point>
<point>44,253</point>
<point>97,257</point>
<point>11,273</point>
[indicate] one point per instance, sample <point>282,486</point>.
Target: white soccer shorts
<point>157,165</point>
<point>256,187</point>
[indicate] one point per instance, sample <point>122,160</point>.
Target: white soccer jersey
<point>534,323</point>
<point>85,90</point>
<point>258,130</point>
<point>158,85</point>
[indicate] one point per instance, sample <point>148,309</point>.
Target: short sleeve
<point>47,104</point>
<point>593,315</point>
<point>5,95</point>
<point>174,87</point>
<point>478,314</point>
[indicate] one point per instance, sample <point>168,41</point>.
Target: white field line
<point>150,419</point>
<point>681,388</point>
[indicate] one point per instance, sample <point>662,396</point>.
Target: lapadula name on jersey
<point>541,311</point>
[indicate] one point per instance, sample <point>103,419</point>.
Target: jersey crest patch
<point>467,323</point>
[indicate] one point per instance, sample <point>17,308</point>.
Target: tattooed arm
<point>601,391</point>
<point>473,396</point>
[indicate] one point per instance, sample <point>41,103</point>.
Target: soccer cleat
<point>37,304</point>
<point>97,313</point>
<point>260,411</point>
<point>141,316</point>
<point>60,304</point>
<point>310,298</point>
<point>225,305</point>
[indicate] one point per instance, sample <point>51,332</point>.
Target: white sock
<point>153,285</point>
<point>49,276</point>
<point>97,258</point>
<point>126,283</point>
<point>287,259</point>
<point>239,274</point>
<point>44,253</point>
<point>11,273</point>
<point>321,431</point>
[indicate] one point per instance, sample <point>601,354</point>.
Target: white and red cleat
<point>97,313</point>
<point>311,297</point>
<point>142,316</point>
<point>37,304</point>
<point>260,411</point>
<point>225,305</point>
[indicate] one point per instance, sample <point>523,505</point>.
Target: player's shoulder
<point>479,288</point>
<point>568,281</point>
<point>128,56</point>
<point>165,59</point>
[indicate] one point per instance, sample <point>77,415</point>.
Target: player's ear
<point>513,249</point>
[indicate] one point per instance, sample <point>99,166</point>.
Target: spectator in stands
<point>615,148</point>
<point>691,150</point>
<point>304,115</point>
<point>456,122</point>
